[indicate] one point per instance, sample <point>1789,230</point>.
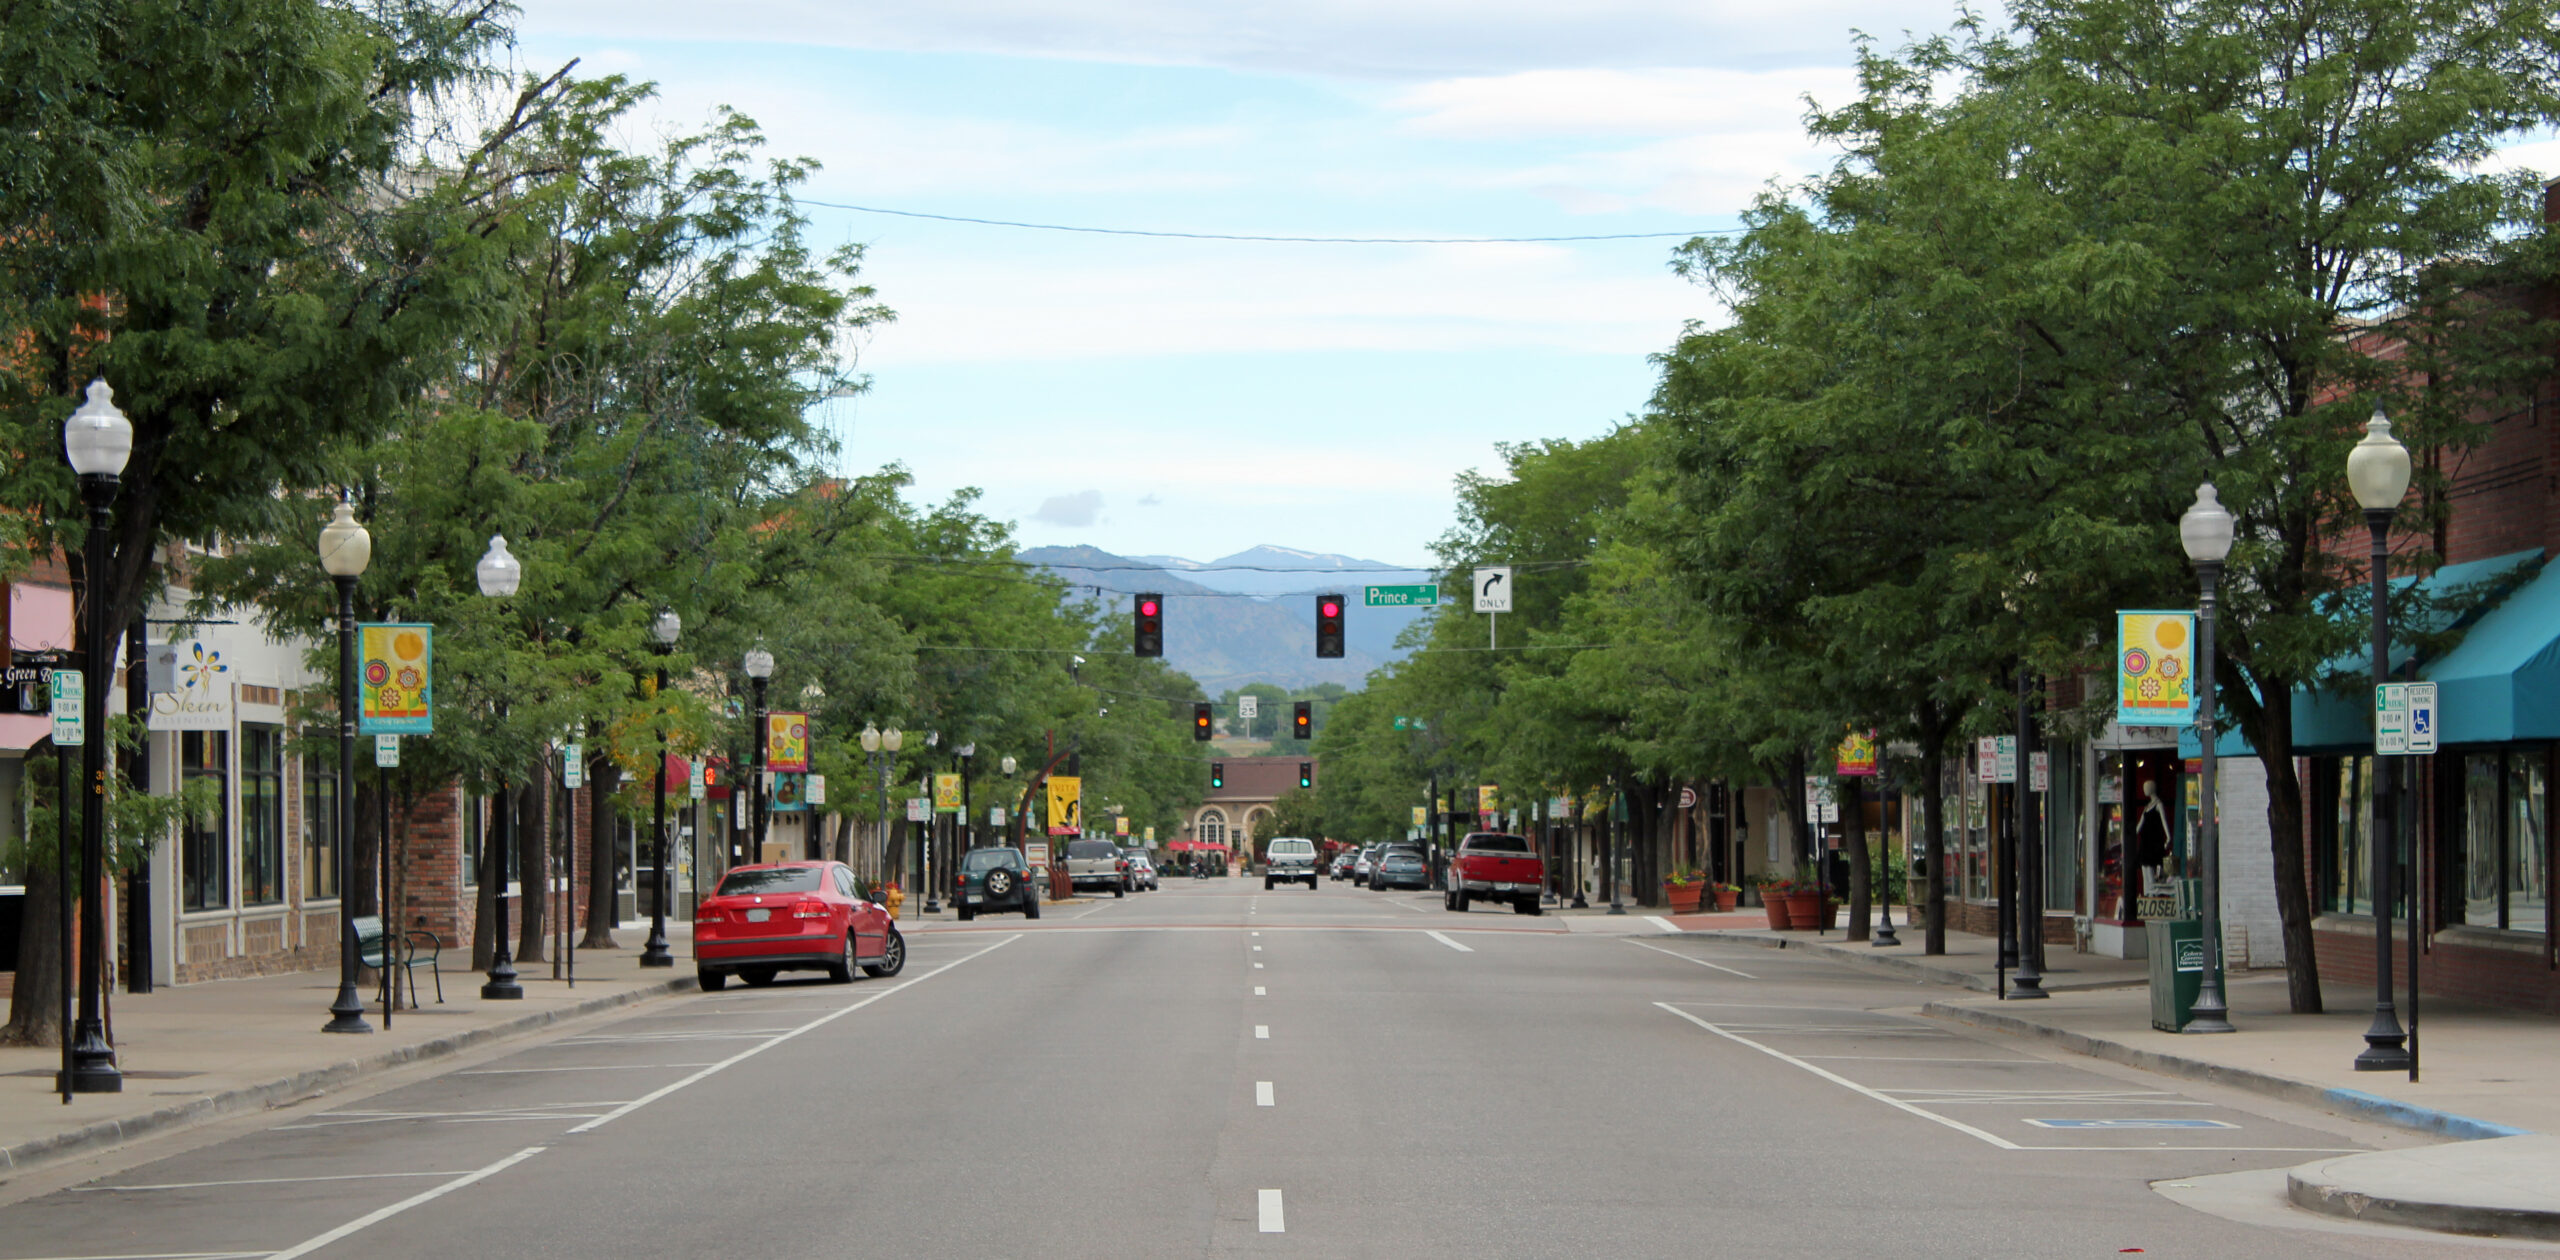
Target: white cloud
<point>1597,102</point>
<point>1079,510</point>
<point>1362,38</point>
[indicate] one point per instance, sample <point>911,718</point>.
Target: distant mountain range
<point>1250,617</point>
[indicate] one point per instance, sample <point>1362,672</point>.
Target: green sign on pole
<point>1425,595</point>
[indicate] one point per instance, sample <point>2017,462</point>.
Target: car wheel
<point>1119,890</point>
<point>712,981</point>
<point>841,971</point>
<point>757,977</point>
<point>893,958</point>
<point>999,884</point>
<point>1031,907</point>
<point>1464,900</point>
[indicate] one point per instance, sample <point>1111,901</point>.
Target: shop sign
<point>1856,755</point>
<point>202,701</point>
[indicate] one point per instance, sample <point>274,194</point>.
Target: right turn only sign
<point>1493,589</point>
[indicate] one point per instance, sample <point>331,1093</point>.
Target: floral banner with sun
<point>396,679</point>
<point>2155,668</point>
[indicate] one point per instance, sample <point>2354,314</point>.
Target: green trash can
<point>2177,971</point>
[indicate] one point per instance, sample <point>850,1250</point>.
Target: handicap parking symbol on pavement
<point>2162,1123</point>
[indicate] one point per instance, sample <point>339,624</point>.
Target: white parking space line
<point>1262,1094</point>
<point>597,1067</point>
<point>1271,1222</point>
<point>1262,1032</point>
<point>1685,958</point>
<point>760,1047</point>
<point>1463,949</point>
<point>379,1215</point>
<point>257,1181</point>
<point>1910,1058</point>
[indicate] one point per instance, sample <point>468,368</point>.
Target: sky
<point>1152,395</point>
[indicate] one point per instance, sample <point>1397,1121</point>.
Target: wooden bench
<point>415,948</point>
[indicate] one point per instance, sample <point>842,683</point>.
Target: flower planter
<point>1776,905</point>
<point>1683,898</point>
<point>1727,899</point>
<point>1803,910</point>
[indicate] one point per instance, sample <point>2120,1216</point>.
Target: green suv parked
<point>996,879</point>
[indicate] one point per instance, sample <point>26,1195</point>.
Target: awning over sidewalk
<point>2491,655</point>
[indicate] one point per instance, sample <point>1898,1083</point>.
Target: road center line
<point>1271,1222</point>
<point>1257,990</point>
<point>599,1067</point>
<point>379,1215</point>
<point>1685,958</point>
<point>1257,949</point>
<point>1262,1094</point>
<point>1463,949</point>
<point>760,1047</point>
<point>1262,1032</point>
<point>1844,1082</point>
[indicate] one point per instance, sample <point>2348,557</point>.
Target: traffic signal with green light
<point>1217,775</point>
<point>1306,774</point>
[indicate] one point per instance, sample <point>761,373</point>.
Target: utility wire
<point>1284,240</point>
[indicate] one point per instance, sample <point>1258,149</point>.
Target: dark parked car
<point>1400,868</point>
<point>996,880</point>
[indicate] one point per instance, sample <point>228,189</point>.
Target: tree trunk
<point>1933,804</point>
<point>1853,817</point>
<point>35,1004</point>
<point>603,901</point>
<point>2273,735</point>
<point>533,868</point>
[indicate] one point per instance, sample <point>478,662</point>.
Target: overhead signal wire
<point>1273,239</point>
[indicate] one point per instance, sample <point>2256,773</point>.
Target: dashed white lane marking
<point>1257,933</point>
<point>1257,949</point>
<point>257,1181</point>
<point>598,1067</point>
<point>1463,949</point>
<point>1661,924</point>
<point>379,1215</point>
<point>1257,990</point>
<point>1271,1222</point>
<point>1262,1094</point>
<point>762,1046</point>
<point>1257,966</point>
<point>1700,961</point>
<point>1262,1032</point>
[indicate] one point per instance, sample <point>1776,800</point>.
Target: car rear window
<point>776,879</point>
<point>1093,849</point>
<point>1497,844</point>
<point>987,859</point>
<point>1293,846</point>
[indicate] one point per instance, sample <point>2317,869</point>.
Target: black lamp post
<point>2205,531</point>
<point>2028,860</point>
<point>98,440</point>
<point>2378,472</point>
<point>345,550</point>
<point>499,574</point>
<point>932,829</point>
<point>655,953</point>
<point>882,746</point>
<point>759,667</point>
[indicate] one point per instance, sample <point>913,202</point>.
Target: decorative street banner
<point>1856,755</point>
<point>396,686</point>
<point>1120,826</point>
<point>786,741</point>
<point>946,793</point>
<point>1421,816</point>
<point>202,701</point>
<point>1066,805</point>
<point>790,792</point>
<point>1488,799</point>
<point>1151,837</point>
<point>2155,668</point>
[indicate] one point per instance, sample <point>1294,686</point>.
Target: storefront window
<point>2503,875</point>
<point>2349,888</point>
<point>204,851</point>
<point>2482,812</point>
<point>2528,873</point>
<point>261,814</point>
<point>319,832</point>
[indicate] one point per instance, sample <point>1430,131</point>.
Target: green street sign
<point>1426,595</point>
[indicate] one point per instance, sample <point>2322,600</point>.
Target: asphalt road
<point>1217,1070</point>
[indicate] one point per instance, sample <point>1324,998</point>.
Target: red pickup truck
<point>1491,866</point>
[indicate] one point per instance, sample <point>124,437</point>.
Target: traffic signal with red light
<point>1328,625</point>
<point>1302,724</point>
<point>1150,624</point>
<point>1200,721</point>
<point>1306,774</point>
<point>1217,775</point>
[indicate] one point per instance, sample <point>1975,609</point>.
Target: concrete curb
<point>36,1152</point>
<point>2491,1188</point>
<point>2351,1102</point>
<point>1886,960</point>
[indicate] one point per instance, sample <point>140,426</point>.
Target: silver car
<point>1288,860</point>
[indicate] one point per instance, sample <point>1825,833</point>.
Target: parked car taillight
<point>708,914</point>
<point>811,910</point>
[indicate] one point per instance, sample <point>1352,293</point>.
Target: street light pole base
<point>2203,1023</point>
<point>502,985</point>
<point>2384,1053</point>
<point>1884,937</point>
<point>93,1062</point>
<point>655,953</point>
<point>346,1015</point>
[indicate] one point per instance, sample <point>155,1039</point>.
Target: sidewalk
<point>191,1053</point>
<point>2481,1073</point>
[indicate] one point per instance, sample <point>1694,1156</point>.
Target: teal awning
<point>2507,655</point>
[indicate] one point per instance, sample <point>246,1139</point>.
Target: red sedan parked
<point>792,916</point>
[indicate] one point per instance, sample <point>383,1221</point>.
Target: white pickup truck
<point>1289,860</point>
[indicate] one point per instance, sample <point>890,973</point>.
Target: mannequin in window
<point>2150,838</point>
